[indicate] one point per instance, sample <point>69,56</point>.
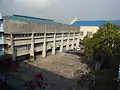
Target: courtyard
<point>57,70</point>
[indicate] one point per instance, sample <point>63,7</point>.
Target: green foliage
<point>105,42</point>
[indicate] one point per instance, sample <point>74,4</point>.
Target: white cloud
<point>35,3</point>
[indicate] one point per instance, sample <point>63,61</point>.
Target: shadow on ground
<point>27,70</point>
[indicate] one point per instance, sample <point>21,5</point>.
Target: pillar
<point>68,40</point>
<point>44,46</point>
<point>61,46</point>
<point>78,40</point>
<point>73,42</point>
<point>54,45</point>
<point>13,48</point>
<point>32,49</point>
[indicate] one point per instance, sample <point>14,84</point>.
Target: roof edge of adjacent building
<point>94,22</point>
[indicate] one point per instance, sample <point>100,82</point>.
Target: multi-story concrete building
<point>91,27</point>
<point>29,35</point>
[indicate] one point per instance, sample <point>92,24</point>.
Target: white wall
<point>86,29</point>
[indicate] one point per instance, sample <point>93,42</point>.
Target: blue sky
<point>64,10</point>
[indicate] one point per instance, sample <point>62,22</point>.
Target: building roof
<point>33,19</point>
<point>95,23</point>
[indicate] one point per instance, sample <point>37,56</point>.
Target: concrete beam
<point>73,40</point>
<point>78,40</point>
<point>32,49</point>
<point>13,48</point>
<point>44,47</point>
<point>54,45</point>
<point>68,41</point>
<point>61,46</point>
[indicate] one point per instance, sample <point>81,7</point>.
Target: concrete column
<point>78,40</point>
<point>68,40</point>
<point>32,49</point>
<point>13,48</point>
<point>54,44</point>
<point>61,46</point>
<point>44,46</point>
<point>73,42</point>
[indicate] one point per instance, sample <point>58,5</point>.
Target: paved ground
<point>58,70</point>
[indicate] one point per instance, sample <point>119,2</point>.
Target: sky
<point>64,10</point>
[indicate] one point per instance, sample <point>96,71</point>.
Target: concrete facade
<point>15,26</point>
<point>28,38</point>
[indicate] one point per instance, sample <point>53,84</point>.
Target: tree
<point>104,44</point>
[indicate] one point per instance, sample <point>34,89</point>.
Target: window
<point>89,33</point>
<point>71,34</point>
<point>49,34</point>
<point>42,34</point>
<point>81,33</point>
<point>7,35</point>
<point>58,33</point>
<point>77,33</point>
<point>65,34</point>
